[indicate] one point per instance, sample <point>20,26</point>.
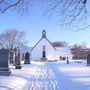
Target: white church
<point>44,50</point>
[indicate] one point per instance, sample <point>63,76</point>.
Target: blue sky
<point>35,22</point>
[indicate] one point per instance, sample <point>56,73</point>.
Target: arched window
<point>43,47</point>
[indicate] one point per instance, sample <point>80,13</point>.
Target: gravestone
<point>67,61</point>
<point>23,57</point>
<point>4,63</point>
<point>88,59</point>
<point>27,58</point>
<point>12,56</point>
<point>18,60</point>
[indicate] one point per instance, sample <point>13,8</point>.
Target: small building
<point>44,50</point>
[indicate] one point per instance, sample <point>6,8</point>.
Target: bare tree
<point>78,51</point>
<point>12,39</point>
<point>19,5</point>
<point>69,12</point>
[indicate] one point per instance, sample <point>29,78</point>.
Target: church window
<point>43,47</point>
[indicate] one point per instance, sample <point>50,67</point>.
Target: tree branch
<point>10,6</point>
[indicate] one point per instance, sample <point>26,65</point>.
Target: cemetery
<point>21,72</point>
<point>44,45</point>
<point>47,75</point>
<point>32,75</point>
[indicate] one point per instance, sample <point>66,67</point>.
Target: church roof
<point>63,50</point>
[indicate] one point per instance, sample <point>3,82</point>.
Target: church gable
<point>38,48</point>
<point>43,37</point>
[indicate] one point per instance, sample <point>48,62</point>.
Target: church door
<point>43,52</point>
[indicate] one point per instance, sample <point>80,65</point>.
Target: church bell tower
<point>43,34</point>
<point>43,58</point>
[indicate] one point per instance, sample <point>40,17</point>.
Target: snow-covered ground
<point>48,76</point>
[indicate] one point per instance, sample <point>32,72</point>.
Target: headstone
<point>67,61</point>
<point>12,56</point>
<point>18,60</point>
<point>60,58</point>
<point>23,57</point>
<point>27,58</point>
<point>88,59</point>
<point>4,63</point>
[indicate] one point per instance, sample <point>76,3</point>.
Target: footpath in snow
<point>48,76</point>
<point>36,76</point>
<point>73,76</point>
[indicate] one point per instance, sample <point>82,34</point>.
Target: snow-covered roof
<point>63,50</point>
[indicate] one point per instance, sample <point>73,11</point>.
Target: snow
<point>48,76</point>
